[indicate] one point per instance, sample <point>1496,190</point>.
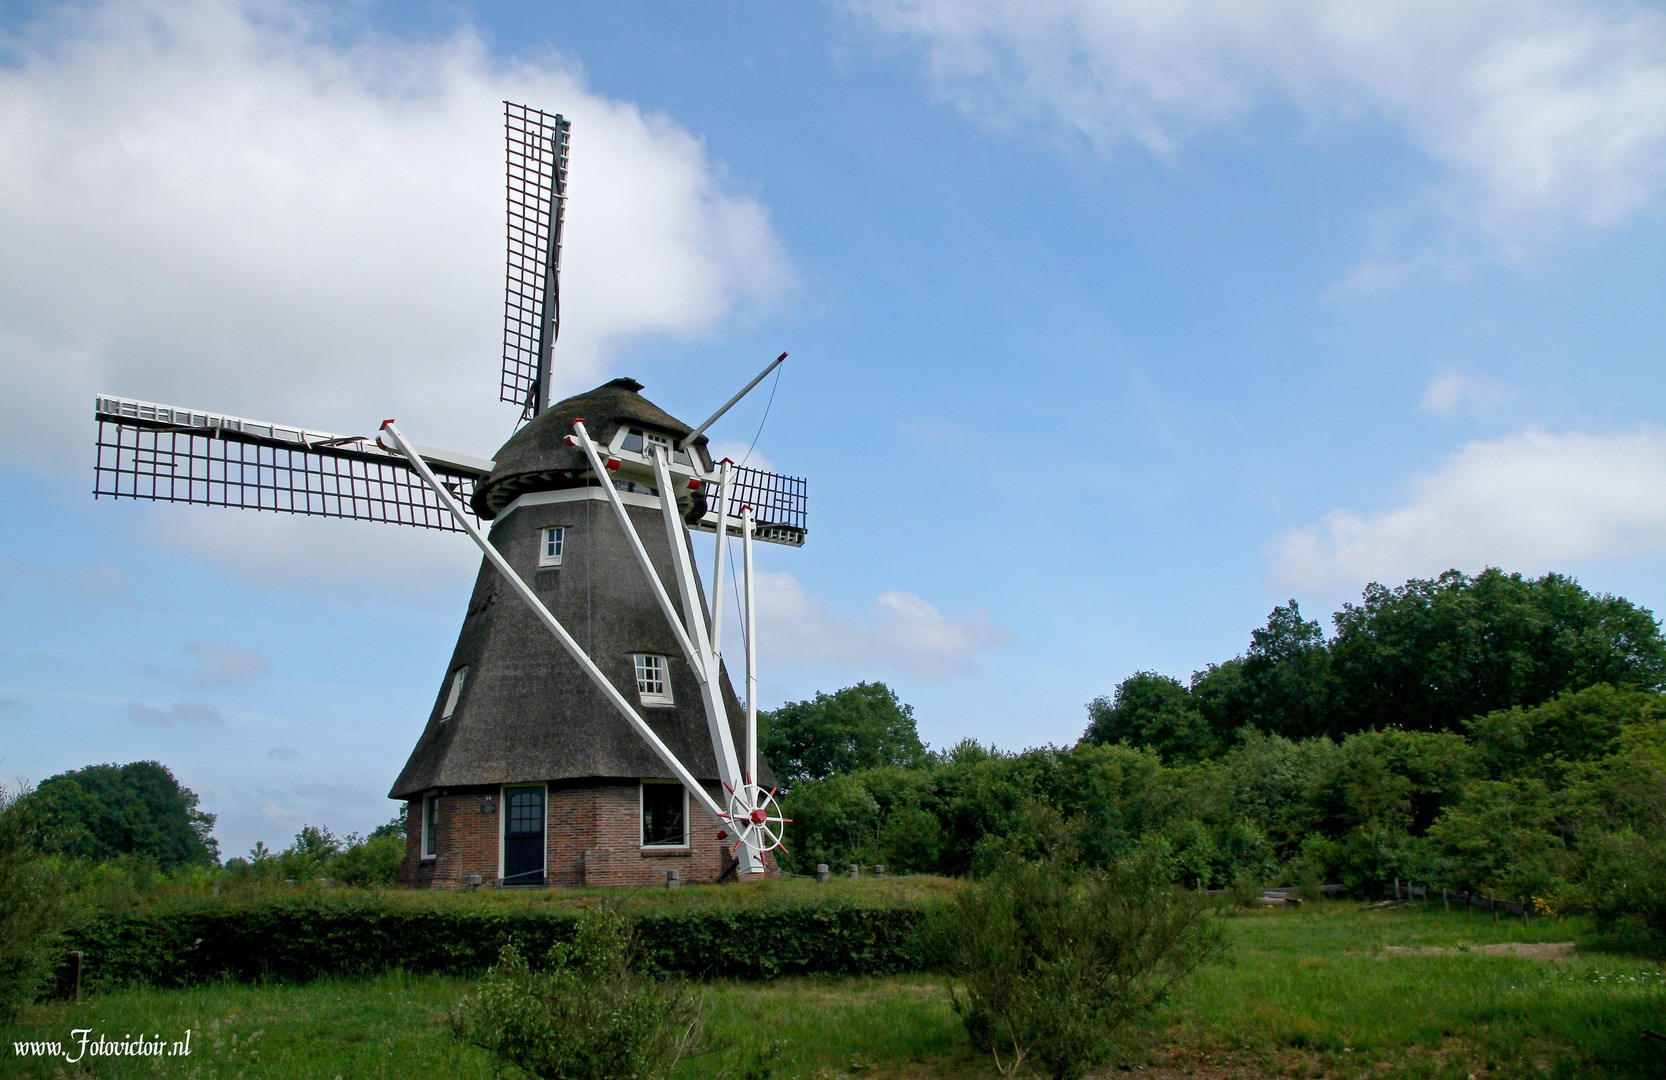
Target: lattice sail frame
<point>779,506</point>
<point>168,454</point>
<point>538,144</point>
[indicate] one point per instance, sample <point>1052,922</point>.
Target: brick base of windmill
<point>593,839</point>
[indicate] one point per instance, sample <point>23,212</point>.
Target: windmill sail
<point>537,184</point>
<point>779,506</point>
<point>151,451</point>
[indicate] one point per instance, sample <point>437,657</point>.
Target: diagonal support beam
<point>696,658</point>
<point>717,560</point>
<point>682,562</point>
<point>524,591</point>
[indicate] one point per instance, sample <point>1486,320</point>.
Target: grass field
<point>1325,990</point>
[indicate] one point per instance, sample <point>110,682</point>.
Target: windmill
<point>589,668</point>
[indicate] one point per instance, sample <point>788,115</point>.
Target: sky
<point>1113,324</point>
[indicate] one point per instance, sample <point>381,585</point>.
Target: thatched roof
<point>538,458</point>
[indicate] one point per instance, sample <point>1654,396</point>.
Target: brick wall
<point>593,836</point>
<point>465,840</point>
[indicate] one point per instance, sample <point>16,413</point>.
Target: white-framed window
<point>430,826</point>
<point>653,679</point>
<point>651,439</point>
<point>455,694</point>
<point>664,814</point>
<point>550,542</point>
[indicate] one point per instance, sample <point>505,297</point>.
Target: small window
<point>456,692</point>
<point>652,439</point>
<point>664,814</point>
<point>430,825</point>
<point>653,679</point>
<point>549,548</point>
<point>633,441</point>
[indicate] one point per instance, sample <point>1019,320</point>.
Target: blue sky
<point>1112,325</point>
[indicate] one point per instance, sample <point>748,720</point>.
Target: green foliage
<point>32,908</point>
<point>1053,964</point>
<point>1431,654</point>
<point>104,811</point>
<point>316,853</point>
<point>1155,711</point>
<point>590,1016</point>
<point>1427,656</point>
<point>308,933</point>
<point>860,727</point>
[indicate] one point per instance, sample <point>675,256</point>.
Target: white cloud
<point>277,815</point>
<point>1531,502</point>
<point>1452,390</point>
<point>220,665</point>
<point>260,207</point>
<point>1543,113</point>
<point>903,631</point>
<point>189,713</point>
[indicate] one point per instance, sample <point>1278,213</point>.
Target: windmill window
<point>653,679</point>
<point>549,547</point>
<point>664,814</point>
<point>455,693</point>
<point>651,440</point>
<point>430,825</point>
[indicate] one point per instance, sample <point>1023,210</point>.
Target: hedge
<point>309,937</point>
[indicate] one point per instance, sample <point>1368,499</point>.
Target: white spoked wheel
<point>756,819</point>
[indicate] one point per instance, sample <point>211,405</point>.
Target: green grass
<point>1309,992</point>
<point>1318,987</point>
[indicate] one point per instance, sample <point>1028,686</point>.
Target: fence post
<point>1396,890</point>
<point>76,958</point>
<point>1445,901</point>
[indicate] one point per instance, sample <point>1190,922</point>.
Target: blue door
<point>523,836</point>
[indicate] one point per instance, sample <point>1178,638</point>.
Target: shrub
<point>589,1017</point>
<point>1054,963</point>
<point>374,861</point>
<point>32,906</point>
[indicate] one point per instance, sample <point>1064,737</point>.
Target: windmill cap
<point>539,458</point>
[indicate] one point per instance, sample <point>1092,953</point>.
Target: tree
<point>32,905</point>
<point>103,811</point>
<point>859,727</point>
<point>1151,710</point>
<point>1286,677</point>
<point>1431,654</point>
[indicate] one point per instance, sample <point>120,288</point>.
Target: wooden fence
<point>1407,891</point>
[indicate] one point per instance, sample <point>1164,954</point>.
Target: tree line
<point>1494,733</point>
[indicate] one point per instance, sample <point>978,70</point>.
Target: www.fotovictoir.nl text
<point>84,1044</point>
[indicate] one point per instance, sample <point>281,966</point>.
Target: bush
<point>295,935</point>
<point>32,907</point>
<point>1054,963</point>
<point>589,1017</point>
